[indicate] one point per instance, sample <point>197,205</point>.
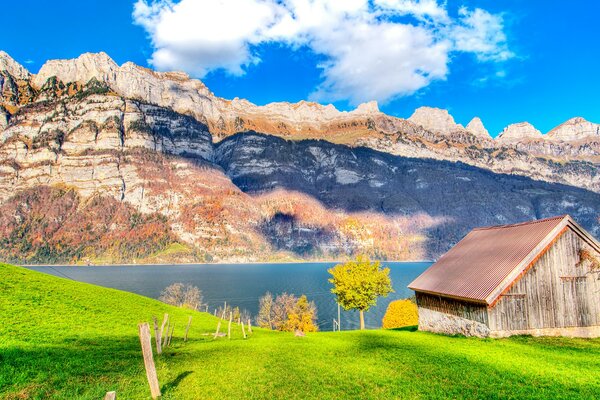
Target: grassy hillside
<point>67,340</point>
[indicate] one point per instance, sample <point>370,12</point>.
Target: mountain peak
<point>7,63</point>
<point>434,119</point>
<point>370,107</point>
<point>476,127</point>
<point>574,129</point>
<point>519,131</point>
<point>80,69</point>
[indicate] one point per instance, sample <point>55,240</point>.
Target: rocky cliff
<point>97,159</point>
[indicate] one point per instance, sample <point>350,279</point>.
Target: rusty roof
<point>488,260</point>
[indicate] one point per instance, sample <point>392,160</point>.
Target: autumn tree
<point>358,283</point>
<point>182,295</point>
<point>265,311</point>
<point>287,312</point>
<point>302,317</point>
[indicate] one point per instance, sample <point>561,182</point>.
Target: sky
<point>505,61</point>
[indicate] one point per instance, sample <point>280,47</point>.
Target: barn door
<point>515,314</point>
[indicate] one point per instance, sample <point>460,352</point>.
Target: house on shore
<point>539,278</point>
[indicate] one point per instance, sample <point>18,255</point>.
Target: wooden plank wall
<point>459,308</point>
<point>554,293</point>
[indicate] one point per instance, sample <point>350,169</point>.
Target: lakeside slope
<point>64,339</point>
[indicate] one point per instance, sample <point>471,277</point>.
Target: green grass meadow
<point>61,339</point>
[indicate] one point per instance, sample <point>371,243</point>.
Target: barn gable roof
<point>488,260</point>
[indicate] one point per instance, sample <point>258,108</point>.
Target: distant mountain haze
<point>188,176</point>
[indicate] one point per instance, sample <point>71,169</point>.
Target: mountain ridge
<point>360,182</point>
<point>102,67</point>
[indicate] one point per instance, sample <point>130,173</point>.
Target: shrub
<point>400,313</point>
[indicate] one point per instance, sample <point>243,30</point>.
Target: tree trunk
<point>362,319</point>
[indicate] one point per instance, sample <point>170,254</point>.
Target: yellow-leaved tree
<point>358,283</point>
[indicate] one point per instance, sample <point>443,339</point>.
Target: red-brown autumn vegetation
<point>53,225</point>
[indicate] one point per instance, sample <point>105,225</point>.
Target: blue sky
<point>514,60</point>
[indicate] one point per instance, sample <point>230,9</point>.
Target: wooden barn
<point>540,278</point>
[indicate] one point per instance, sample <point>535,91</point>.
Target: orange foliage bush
<point>400,313</point>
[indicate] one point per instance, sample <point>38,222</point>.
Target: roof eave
<point>449,296</point>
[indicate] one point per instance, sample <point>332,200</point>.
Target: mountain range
<point>114,164</point>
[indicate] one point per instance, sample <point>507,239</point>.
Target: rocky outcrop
<point>518,132</point>
<point>575,129</point>
<point>435,119</point>
<point>3,119</point>
<point>476,128</point>
<point>8,64</point>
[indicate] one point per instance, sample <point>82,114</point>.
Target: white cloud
<point>419,8</point>
<point>370,51</point>
<point>481,33</point>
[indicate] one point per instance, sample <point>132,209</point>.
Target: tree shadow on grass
<point>173,384</point>
<point>88,367</point>
<point>411,328</point>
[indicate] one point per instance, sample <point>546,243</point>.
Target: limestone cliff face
<point>303,120</point>
<point>315,183</point>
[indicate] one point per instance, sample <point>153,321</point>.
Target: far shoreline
<point>211,263</point>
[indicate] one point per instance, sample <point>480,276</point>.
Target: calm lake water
<point>242,285</point>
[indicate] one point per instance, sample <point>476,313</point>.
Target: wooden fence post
<point>249,326</point>
<point>243,330</point>
<point>171,334</point>
<point>162,328</point>
<point>156,335</point>
<point>187,328</point>
<point>219,325</point>
<point>229,327</point>
<point>166,336</point>
<point>146,342</point>
<point>110,396</point>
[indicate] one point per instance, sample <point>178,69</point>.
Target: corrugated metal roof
<point>486,261</point>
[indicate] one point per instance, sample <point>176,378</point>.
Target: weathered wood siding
<point>458,308</point>
<point>554,293</point>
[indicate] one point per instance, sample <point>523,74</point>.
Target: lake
<point>242,285</point>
